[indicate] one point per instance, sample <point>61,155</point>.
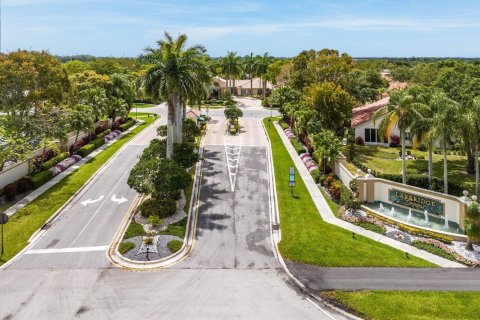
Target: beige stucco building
<point>239,87</point>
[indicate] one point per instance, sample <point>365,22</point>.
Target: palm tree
<point>445,117</point>
<point>402,110</point>
<point>250,64</point>
<point>262,68</point>
<point>472,120</point>
<point>81,118</point>
<point>115,107</point>
<point>95,98</point>
<point>232,68</point>
<point>177,75</point>
<point>327,146</point>
<point>123,87</point>
<point>291,110</point>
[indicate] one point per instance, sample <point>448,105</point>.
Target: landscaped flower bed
<point>289,133</point>
<point>112,135</point>
<point>65,164</point>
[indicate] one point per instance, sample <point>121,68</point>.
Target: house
<point>241,87</point>
<point>365,127</point>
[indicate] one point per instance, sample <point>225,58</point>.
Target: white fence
<point>342,173</point>
<point>19,170</point>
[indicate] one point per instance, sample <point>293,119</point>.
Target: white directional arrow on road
<point>117,200</point>
<point>89,201</point>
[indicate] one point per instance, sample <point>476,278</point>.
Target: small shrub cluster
<point>394,140</point>
<point>184,154</point>
<point>161,208</point>
<point>41,178</point>
<point>359,140</point>
<point>174,245</point>
<point>54,161</point>
<point>299,148</point>
<point>283,124</point>
<point>125,246</point>
<point>154,221</point>
<point>45,156</point>
<point>86,150</point>
<point>126,125</point>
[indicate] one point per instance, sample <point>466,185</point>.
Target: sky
<point>362,28</point>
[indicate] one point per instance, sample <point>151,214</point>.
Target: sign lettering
<point>416,202</point>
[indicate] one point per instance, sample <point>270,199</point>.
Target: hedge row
<point>41,178</point>
<point>126,125</point>
<point>86,150</point>
<point>299,148</point>
<point>283,124</point>
<point>54,161</point>
<point>419,181</point>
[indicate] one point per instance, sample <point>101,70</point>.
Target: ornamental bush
<point>100,141</point>
<point>184,154</point>
<point>299,148</point>
<point>154,221</point>
<point>52,162</point>
<point>158,207</point>
<point>86,150</point>
<point>359,140</point>
<point>10,191</point>
<point>24,184</point>
<point>40,178</point>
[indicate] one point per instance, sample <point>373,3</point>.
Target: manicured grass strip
<point>126,246</point>
<point>134,229</point>
<point>411,305</point>
<point>306,238</point>
<point>174,245</point>
<point>176,229</point>
<point>31,217</point>
<point>432,249</point>
<point>142,105</point>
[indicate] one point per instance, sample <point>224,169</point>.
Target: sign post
<point>291,179</point>
<point>3,220</point>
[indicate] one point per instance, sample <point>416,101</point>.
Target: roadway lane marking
<point>98,209</point>
<point>318,307</point>
<point>232,152</point>
<point>67,250</point>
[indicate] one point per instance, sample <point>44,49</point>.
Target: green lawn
<point>31,217</point>
<point>306,238</point>
<point>142,105</point>
<point>382,159</point>
<point>411,305</point>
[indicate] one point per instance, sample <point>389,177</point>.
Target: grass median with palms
<point>30,218</point>
<point>403,305</point>
<point>306,238</point>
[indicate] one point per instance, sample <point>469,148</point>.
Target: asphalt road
<point>232,272</point>
<point>436,279</point>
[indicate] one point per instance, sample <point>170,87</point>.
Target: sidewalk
<point>328,216</point>
<point>59,177</point>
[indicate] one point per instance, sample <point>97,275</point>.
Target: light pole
<point>3,220</point>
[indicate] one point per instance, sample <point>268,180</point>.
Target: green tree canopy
<point>332,104</point>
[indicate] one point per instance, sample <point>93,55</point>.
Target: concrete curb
<point>119,260</point>
<point>59,213</point>
<point>276,236</point>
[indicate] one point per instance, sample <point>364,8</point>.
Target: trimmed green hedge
<point>40,178</point>
<point>125,247</point>
<point>52,162</point>
<point>126,125</point>
<point>299,148</point>
<point>103,134</point>
<point>283,124</point>
<point>86,150</point>
<point>98,142</point>
<point>174,245</point>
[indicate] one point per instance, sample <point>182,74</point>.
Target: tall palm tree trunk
<point>445,166</point>
<point>430,166</point>
<point>170,128</point>
<point>404,160</point>
<point>178,121</point>
<point>477,173</point>
<point>251,86</point>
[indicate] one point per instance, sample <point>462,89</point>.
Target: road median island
<point>306,238</point>
<point>177,236</point>
<point>29,219</point>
